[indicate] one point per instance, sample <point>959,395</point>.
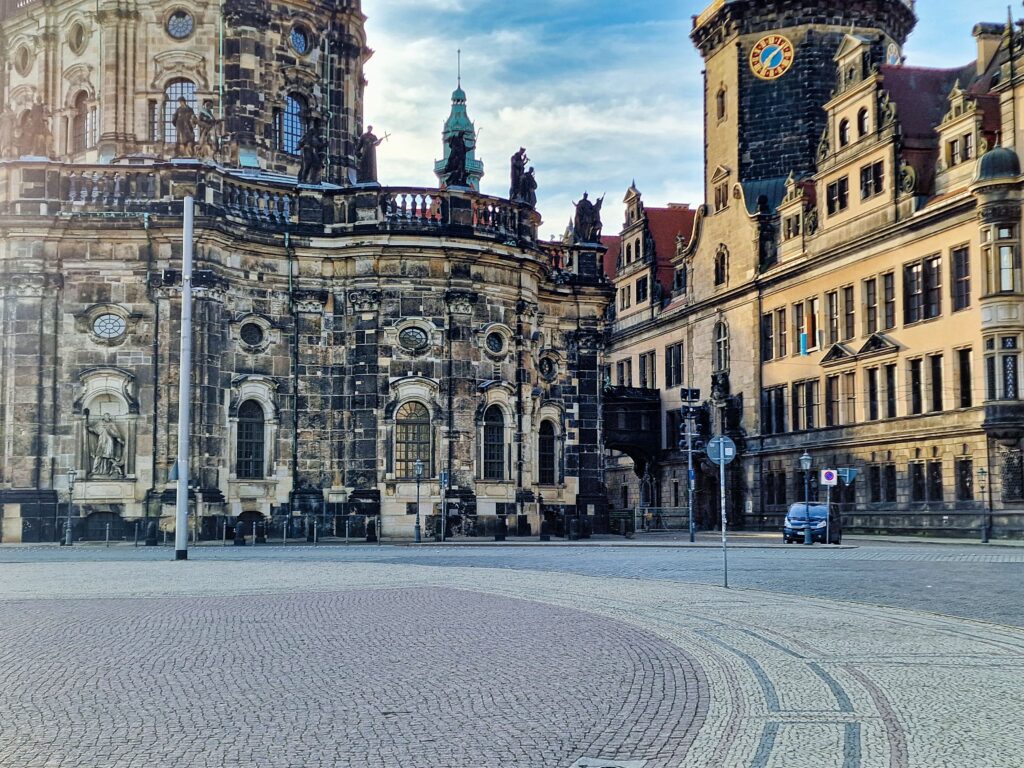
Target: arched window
<point>637,249</point>
<point>629,253</point>
<point>251,441</point>
<point>412,439</point>
<point>722,267</point>
<point>80,138</point>
<point>291,124</point>
<point>494,444</point>
<point>844,133</point>
<point>721,347</point>
<point>720,104</point>
<point>862,122</point>
<point>176,89</point>
<point>547,455</point>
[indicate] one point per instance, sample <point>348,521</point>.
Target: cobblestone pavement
<point>304,659</point>
<point>970,581</point>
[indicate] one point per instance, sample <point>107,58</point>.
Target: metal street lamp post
<point>71,505</point>
<point>418,470</point>
<point>985,518</point>
<point>805,465</point>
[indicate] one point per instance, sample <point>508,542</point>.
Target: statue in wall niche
<point>106,450</point>
<point>8,131</point>
<point>366,156</point>
<point>36,138</point>
<point>209,140</point>
<point>184,121</point>
<point>587,223</point>
<point>311,149</point>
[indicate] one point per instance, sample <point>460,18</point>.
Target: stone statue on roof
<point>311,149</point>
<point>455,172</point>
<point>366,156</point>
<point>518,168</point>
<point>587,224</point>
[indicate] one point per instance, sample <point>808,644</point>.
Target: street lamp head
<point>805,461</point>
<point>418,468</point>
<point>72,474</point>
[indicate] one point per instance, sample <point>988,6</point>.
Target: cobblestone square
<point>373,656</point>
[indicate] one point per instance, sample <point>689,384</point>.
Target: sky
<point>600,92</point>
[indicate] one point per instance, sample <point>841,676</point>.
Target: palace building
<point>852,287</point>
<point>345,333</point>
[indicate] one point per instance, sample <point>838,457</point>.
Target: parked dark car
<point>801,515</point>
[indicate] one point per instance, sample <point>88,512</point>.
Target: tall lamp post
<point>72,474</point>
<point>985,518</point>
<point>418,471</point>
<point>805,465</point>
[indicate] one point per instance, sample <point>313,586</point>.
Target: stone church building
<point>344,332</point>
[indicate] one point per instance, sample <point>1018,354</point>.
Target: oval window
<point>76,38</point>
<point>413,338</point>
<point>300,40</point>
<point>180,25</point>
<point>495,342</point>
<point>252,334</point>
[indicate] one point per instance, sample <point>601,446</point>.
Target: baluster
<point>72,186</point>
<point>108,187</point>
<point>118,192</point>
<point>287,203</point>
<point>274,209</point>
<point>265,205</point>
<point>152,184</point>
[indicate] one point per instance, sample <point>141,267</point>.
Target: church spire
<point>458,122</point>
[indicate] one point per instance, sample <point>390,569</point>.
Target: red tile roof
<point>666,224</point>
<point>611,257</point>
<point>922,96</point>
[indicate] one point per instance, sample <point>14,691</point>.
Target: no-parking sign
<point>829,477</point>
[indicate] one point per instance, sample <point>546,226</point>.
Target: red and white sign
<point>829,477</point>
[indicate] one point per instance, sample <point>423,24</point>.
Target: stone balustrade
<point>37,187</point>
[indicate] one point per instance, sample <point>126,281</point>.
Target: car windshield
<point>799,511</point>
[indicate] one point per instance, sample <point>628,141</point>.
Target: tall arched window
<point>844,133</point>
<point>547,455</point>
<point>80,138</point>
<point>494,444</point>
<point>639,251</point>
<point>722,266</point>
<point>629,253</point>
<point>251,441</point>
<point>862,122</point>
<point>720,104</point>
<point>412,439</point>
<point>176,89</point>
<point>291,124</point>
<point>721,347</point>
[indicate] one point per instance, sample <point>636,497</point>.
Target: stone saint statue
<point>518,168</point>
<point>588,220</point>
<point>8,130</point>
<point>36,139</point>
<point>311,148</point>
<point>107,449</point>
<point>366,157</point>
<point>207,144</point>
<point>528,189</point>
<point>184,121</point>
<point>455,171</point>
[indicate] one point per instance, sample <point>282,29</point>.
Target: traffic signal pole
<point>689,472</point>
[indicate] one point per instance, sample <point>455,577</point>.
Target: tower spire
<point>460,67</point>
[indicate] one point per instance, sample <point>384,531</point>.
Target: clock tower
<point>769,68</point>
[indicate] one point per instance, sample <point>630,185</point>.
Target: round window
<point>300,40</point>
<point>547,368</point>
<point>252,334</point>
<point>180,25</point>
<point>23,60</point>
<point>109,326</point>
<point>495,342</point>
<point>76,38</point>
<point>413,338</point>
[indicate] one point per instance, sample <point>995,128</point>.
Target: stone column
<point>362,397</point>
<point>585,458</point>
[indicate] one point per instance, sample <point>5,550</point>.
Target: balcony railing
<point>10,8</point>
<point>270,203</point>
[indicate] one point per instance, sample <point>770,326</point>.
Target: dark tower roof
<point>998,163</point>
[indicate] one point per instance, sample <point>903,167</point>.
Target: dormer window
<point>844,133</point>
<point>862,122</point>
<point>721,197</point>
<point>954,153</point>
<point>967,149</point>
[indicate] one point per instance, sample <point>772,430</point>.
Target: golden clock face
<point>771,57</point>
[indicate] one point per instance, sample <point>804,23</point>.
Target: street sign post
<point>830,479</point>
<point>722,451</point>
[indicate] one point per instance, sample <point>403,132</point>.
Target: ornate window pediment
<point>877,344</point>
<point>173,65</point>
<point>838,354</point>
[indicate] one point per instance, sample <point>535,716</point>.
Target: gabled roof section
<point>922,96</point>
<point>839,353</point>
<point>771,190</point>
<point>721,173</point>
<point>850,44</point>
<point>877,344</point>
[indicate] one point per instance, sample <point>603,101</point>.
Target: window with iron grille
<point>964,479</point>
<point>546,454</point>
<point>251,441</point>
<point>292,124</point>
<point>1013,476</point>
<point>412,439</point>
<point>494,444</point>
<point>176,89</point>
<point>80,138</point>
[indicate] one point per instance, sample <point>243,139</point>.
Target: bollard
<point>151,534</point>
<point>165,538</point>
<point>240,534</point>
<point>500,528</point>
<point>261,533</point>
<point>254,533</point>
<point>284,529</point>
<point>574,529</point>
<point>106,534</point>
<point>136,533</point>
<point>348,529</point>
<point>224,537</point>
<point>314,533</point>
<point>545,531</point>
<point>371,530</point>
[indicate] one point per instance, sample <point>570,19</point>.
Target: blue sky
<point>599,92</point>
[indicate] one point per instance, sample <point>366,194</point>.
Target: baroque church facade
<point>357,349</point>
<point>851,288</point>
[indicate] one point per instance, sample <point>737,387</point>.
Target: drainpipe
<point>290,252</point>
<point>156,358</point>
<point>520,375</point>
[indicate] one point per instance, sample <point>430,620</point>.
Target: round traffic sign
<point>721,450</point>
